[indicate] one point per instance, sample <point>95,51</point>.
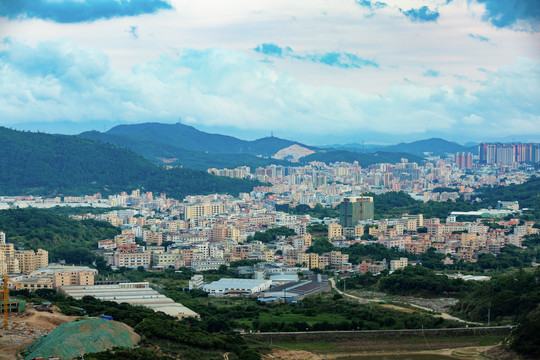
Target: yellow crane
<point>5,294</point>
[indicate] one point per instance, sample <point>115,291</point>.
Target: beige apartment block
<point>337,258</point>
<point>42,258</point>
<point>234,234</point>
<point>27,260</point>
<point>269,256</point>
<point>398,264</point>
<point>311,260</point>
<point>73,278</point>
<point>324,261</point>
<point>467,239</point>
<point>165,259</point>
<point>307,240</point>
<point>132,259</point>
<point>218,233</point>
<point>3,266</point>
<point>12,265</point>
<point>7,250</point>
<point>199,210</point>
<point>334,231</point>
<point>359,230</point>
<point>124,239</point>
<point>60,275</point>
<point>151,237</point>
<point>33,283</point>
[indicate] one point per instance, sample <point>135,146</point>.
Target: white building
<point>132,293</point>
<point>196,282</point>
<point>237,286</point>
<point>398,264</point>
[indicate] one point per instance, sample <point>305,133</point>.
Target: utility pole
<point>489,314</point>
<point>362,206</point>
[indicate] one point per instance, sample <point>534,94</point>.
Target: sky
<point>315,71</point>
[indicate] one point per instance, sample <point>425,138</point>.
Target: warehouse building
<point>237,286</point>
<point>134,294</point>
<point>296,291</point>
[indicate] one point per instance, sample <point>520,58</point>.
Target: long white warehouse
<point>237,286</point>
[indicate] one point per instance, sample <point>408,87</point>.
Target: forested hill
<point>153,149</point>
<point>63,237</point>
<point>43,164</point>
<point>189,137</point>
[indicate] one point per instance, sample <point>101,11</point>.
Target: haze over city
<point>314,71</point>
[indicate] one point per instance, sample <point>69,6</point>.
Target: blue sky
<point>310,70</point>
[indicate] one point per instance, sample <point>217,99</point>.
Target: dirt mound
<point>291,355</point>
<point>70,340</point>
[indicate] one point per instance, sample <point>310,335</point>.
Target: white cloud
<point>473,119</point>
<point>58,81</point>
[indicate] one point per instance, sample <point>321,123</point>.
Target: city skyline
<point>315,72</point>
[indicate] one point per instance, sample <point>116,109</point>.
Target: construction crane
<point>6,298</point>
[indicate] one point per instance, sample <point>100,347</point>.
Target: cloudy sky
<point>318,71</point>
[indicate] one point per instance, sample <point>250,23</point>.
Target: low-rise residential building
<point>131,256</point>
<point>196,282</point>
<point>204,265</point>
<point>398,264</point>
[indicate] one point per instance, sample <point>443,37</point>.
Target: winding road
<point>404,309</point>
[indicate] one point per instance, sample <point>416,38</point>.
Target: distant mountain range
<point>192,148</point>
<point>185,145</point>
<point>43,164</point>
<point>363,159</point>
<point>434,146</point>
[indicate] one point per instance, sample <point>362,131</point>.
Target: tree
<point>101,264</point>
<point>223,269</point>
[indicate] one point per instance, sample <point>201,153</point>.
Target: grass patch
<point>289,318</point>
<point>318,347</point>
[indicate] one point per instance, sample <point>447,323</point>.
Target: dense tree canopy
<point>64,238</point>
<point>418,280</point>
<point>43,164</point>
<point>272,234</point>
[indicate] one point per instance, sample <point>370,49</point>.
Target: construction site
<point>27,325</point>
<point>39,331</point>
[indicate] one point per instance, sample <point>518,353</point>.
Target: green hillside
<point>188,137</point>
<point>43,164</point>
<point>166,153</point>
<point>33,228</point>
<point>64,238</point>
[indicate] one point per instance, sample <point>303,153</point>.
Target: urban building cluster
<point>211,231</point>
<point>322,183</point>
<point>221,229</point>
<point>508,154</point>
<point>20,261</point>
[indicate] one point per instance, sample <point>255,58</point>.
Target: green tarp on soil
<point>70,340</point>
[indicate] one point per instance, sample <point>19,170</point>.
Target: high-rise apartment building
<point>508,154</point>
<point>355,209</point>
<point>464,160</point>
